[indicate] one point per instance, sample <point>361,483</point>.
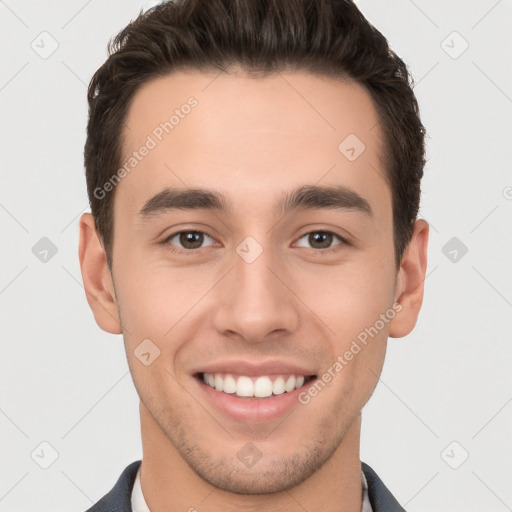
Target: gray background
<point>445,392</point>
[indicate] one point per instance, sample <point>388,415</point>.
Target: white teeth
<point>244,387</point>
<point>278,386</point>
<point>290,384</point>
<point>229,384</point>
<point>263,387</point>
<point>260,387</point>
<point>218,382</point>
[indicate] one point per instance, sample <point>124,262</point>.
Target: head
<point>223,138</point>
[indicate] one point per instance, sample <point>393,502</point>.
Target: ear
<point>98,284</point>
<point>409,283</point>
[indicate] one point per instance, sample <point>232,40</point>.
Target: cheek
<point>144,312</point>
<point>154,297</point>
<point>158,388</point>
<point>347,299</point>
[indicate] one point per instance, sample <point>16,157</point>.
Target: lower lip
<point>253,410</point>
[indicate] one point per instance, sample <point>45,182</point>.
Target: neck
<point>168,482</point>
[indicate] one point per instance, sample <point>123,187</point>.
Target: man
<point>253,169</point>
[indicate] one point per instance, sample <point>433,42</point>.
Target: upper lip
<point>253,369</point>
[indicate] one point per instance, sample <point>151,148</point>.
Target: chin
<point>273,476</point>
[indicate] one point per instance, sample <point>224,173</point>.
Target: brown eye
<point>188,240</point>
<point>321,240</point>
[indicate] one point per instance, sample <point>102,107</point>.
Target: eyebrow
<point>337,197</point>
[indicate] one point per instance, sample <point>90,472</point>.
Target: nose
<point>255,301</point>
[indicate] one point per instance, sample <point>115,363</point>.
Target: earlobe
<point>99,288</point>
<point>410,281</point>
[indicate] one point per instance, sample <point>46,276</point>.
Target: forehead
<point>236,133</point>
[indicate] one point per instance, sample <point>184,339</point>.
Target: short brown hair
<point>324,37</point>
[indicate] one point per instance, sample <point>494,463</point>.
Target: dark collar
<point>381,498</point>
<point>119,498</point>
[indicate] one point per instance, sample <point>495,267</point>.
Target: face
<point>261,282</point>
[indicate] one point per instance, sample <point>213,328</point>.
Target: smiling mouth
<point>260,387</point>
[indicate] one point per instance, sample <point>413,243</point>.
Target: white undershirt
<point>139,503</point>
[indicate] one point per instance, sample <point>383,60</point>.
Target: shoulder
<point>380,497</point>
<point>119,498</point>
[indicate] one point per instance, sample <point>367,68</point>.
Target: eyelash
<point>191,252</point>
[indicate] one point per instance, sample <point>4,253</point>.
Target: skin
<point>252,140</point>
